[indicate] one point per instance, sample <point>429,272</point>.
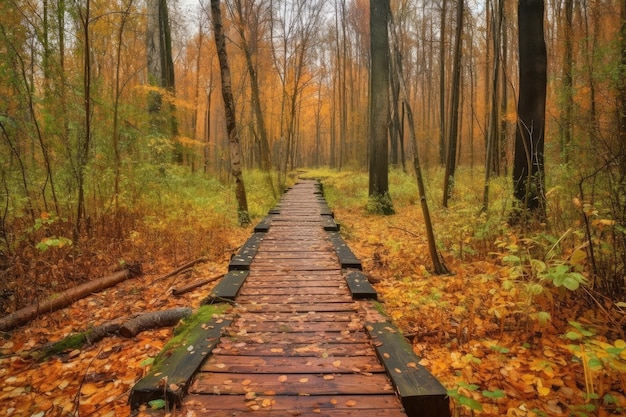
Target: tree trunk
<point>439,266</point>
<point>453,126</point>
<point>379,107</point>
<point>528,165</point>
<point>493,103</point>
<point>229,109</point>
<point>442,85</point>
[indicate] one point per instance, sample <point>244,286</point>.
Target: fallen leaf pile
<point>95,380</point>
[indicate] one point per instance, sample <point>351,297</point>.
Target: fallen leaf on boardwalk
<point>282,378</point>
<point>350,403</point>
<point>329,377</point>
<point>303,380</point>
<point>411,365</point>
<point>250,395</point>
<point>333,401</point>
<point>276,350</point>
<point>337,363</point>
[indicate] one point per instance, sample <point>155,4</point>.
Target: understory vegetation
<point>528,324</point>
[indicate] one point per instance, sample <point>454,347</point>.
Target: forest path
<point>305,337</point>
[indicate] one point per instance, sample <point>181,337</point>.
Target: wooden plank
<point>291,384</point>
<point>282,406</point>
<point>258,338</point>
<point>420,392</point>
<point>242,260</point>
<point>345,255</point>
<point>319,349</point>
<point>256,305</point>
<point>264,225</point>
<point>360,287</point>
<point>311,316</point>
<point>291,365</point>
<point>280,283</point>
<point>329,224</point>
<point>309,290</point>
<point>293,299</point>
<point>294,254</point>
<point>228,287</point>
<point>298,327</point>
<point>179,367</point>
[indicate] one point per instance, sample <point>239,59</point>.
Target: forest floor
<point>502,345</point>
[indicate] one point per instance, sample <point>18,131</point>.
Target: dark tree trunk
<point>379,107</point>
<point>528,164</point>
<point>231,124</point>
<point>453,126</point>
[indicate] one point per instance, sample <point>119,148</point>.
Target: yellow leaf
<point>328,377</point>
<point>350,403</point>
<point>282,378</point>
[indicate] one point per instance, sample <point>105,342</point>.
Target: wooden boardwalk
<point>300,342</point>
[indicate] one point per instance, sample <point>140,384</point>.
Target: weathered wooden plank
<point>228,287</point>
<point>242,260</point>
<point>179,367</point>
<point>257,305</point>
<point>280,283</point>
<point>291,384</point>
<point>294,254</point>
<point>291,365</point>
<point>329,224</point>
<point>318,349</point>
<point>309,290</point>
<point>297,327</point>
<point>258,338</point>
<point>293,299</point>
<point>345,255</point>
<point>311,316</point>
<point>282,406</point>
<point>264,225</point>
<point>360,287</point>
<point>420,392</point>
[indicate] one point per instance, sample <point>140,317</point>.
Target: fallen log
<point>66,298</point>
<point>153,320</point>
<point>189,287</point>
<point>127,327</point>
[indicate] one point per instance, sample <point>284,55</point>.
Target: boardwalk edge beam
<point>170,381</point>
<point>420,392</point>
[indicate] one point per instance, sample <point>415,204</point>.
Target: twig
<point>179,291</point>
<point>180,269</point>
<point>404,230</point>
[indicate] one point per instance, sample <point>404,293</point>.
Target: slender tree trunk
<point>453,126</point>
<point>492,128</point>
<point>265,154</point>
<point>528,169</point>
<point>229,108</point>
<point>438,264</point>
<point>567,92</point>
<point>85,144</point>
<point>442,85</point>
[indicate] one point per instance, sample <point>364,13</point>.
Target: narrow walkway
<point>305,337</point>
<point>298,345</point>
